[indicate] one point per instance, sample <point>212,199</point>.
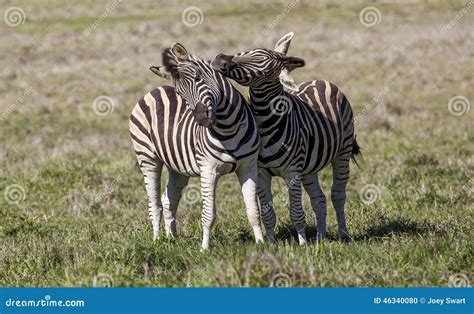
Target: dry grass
<point>84,207</point>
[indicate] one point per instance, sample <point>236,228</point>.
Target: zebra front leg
<point>248,178</point>
<point>340,174</point>
<point>293,182</point>
<point>152,177</point>
<point>267,210</point>
<point>318,203</point>
<point>209,180</point>
<point>170,200</point>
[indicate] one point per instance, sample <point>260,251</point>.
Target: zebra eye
<point>197,77</point>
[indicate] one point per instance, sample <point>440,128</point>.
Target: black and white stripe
<point>200,127</point>
<point>302,131</point>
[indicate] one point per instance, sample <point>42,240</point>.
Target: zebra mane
<point>172,65</point>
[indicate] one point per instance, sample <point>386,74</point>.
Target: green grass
<point>81,216</point>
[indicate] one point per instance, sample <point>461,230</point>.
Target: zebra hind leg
<point>318,203</point>
<point>170,200</point>
<point>152,177</point>
<point>340,168</point>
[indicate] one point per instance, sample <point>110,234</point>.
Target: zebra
<point>302,130</point>
<point>202,126</point>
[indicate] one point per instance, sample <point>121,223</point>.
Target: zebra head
<point>193,81</point>
<point>260,65</point>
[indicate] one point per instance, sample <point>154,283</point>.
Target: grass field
<point>73,208</point>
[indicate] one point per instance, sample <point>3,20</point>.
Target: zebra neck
<point>230,110</point>
<point>260,96</point>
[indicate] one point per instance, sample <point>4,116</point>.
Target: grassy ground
<point>73,206</point>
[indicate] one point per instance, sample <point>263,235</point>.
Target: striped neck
<point>261,95</point>
<point>231,108</point>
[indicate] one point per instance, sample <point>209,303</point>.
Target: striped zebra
<point>202,126</point>
<point>302,131</point>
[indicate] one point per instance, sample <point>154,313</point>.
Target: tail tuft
<point>356,151</point>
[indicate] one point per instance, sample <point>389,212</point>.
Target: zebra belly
<point>176,152</point>
<point>191,170</point>
<point>318,157</point>
<point>191,162</point>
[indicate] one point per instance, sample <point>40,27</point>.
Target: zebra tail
<point>356,151</point>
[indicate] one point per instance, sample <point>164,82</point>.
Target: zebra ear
<point>287,81</point>
<point>292,63</point>
<point>160,71</point>
<point>180,52</point>
<point>284,43</point>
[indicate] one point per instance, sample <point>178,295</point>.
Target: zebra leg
<point>318,203</point>
<point>266,203</point>
<point>340,169</point>
<point>293,182</point>
<point>170,200</point>
<point>209,180</point>
<point>248,178</point>
<point>152,177</point>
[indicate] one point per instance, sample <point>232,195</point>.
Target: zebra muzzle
<point>223,63</point>
<point>203,115</point>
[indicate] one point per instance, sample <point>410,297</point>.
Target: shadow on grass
<point>381,229</point>
<point>398,226</point>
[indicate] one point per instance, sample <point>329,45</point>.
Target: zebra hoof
<point>302,239</point>
<point>171,235</point>
<point>345,239</point>
<point>320,236</point>
<point>271,238</point>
